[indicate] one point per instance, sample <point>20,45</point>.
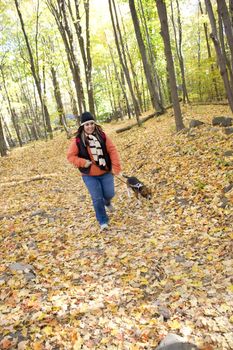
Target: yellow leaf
<point>230,288</point>
<point>48,330</point>
<point>175,324</point>
<point>153,241</point>
<point>231,319</point>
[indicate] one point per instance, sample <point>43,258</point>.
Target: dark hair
<point>98,131</point>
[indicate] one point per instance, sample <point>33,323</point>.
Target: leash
<point>119,178</point>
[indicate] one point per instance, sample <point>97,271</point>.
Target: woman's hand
<point>88,164</point>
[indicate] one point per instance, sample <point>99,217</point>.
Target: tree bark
<point>155,100</point>
<point>222,9</point>
<point>35,73</point>
<point>57,95</point>
<point>61,19</point>
<point>162,12</point>
<point>220,56</point>
<point>178,43</point>
<point>3,147</point>
<point>84,49</point>
<point>124,63</point>
<point>209,55</point>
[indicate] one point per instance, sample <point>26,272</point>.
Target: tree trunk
<point>209,54</point>
<point>221,59</point>
<point>222,9</point>
<point>35,73</point>
<point>57,95</point>
<point>85,51</point>
<point>178,43</point>
<point>9,137</point>
<point>156,103</point>
<point>151,55</point>
<point>3,147</point>
<point>123,63</point>
<point>60,16</point>
<point>162,12</point>
<point>120,81</point>
<point>231,11</point>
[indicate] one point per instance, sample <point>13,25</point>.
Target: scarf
<point>96,150</point>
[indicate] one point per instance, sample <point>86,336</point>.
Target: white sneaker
<point>110,208</point>
<point>104,227</point>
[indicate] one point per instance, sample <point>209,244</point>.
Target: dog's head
<point>145,192</point>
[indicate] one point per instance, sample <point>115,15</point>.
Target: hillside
<point>165,265</point>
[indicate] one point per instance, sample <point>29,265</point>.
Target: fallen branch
<point>34,178</point>
<point>143,120</point>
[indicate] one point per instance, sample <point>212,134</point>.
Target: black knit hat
<point>86,117</point>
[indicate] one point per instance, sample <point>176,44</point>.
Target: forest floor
<point>164,265</point>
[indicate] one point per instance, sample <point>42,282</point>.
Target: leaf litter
<point>165,265</point>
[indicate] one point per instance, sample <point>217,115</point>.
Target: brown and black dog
<point>138,187</point>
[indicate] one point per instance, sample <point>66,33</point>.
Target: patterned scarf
<point>96,150</point>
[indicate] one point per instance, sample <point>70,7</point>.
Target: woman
<point>97,159</point>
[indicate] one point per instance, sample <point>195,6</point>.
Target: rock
<point>20,267</point>
<point>228,153</point>
<point>228,188</point>
<point>222,121</point>
<point>194,123</point>
<point>39,212</point>
<point>175,342</point>
<point>29,276</point>
<point>223,203</point>
<point>228,131</point>
<point>163,310</point>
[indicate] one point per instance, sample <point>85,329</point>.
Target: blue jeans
<point>101,189</point>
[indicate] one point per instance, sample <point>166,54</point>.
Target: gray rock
<point>20,267</point>
<point>194,123</point>
<point>228,131</point>
<point>175,342</point>
<point>228,153</point>
<point>222,121</point>
<point>29,276</point>
<point>228,188</point>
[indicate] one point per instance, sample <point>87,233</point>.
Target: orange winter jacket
<point>72,156</point>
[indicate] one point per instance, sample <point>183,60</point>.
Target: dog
<point>138,187</point>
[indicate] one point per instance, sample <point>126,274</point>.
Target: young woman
<point>97,159</point>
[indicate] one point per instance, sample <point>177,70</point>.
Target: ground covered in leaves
<point>165,265</point>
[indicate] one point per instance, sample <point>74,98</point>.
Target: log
<point>135,124</point>
<point>34,178</point>
<point>143,120</point>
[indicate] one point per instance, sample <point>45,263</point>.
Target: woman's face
<point>89,128</point>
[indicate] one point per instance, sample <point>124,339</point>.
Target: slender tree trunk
<point>178,42</point>
<point>134,75</point>
<point>222,9</point>
<point>3,147</point>
<point>57,95</point>
<point>151,55</point>
<point>11,110</point>
<point>220,56</point>
<point>231,11</point>
<point>209,55</point>
<point>35,73</point>
<point>156,103</point>
<point>123,89</point>
<point>85,50</point>
<point>162,12</point>
<point>124,64</point>
<point>9,137</point>
<point>61,19</point>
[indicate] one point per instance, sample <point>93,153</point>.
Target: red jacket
<point>72,156</point>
